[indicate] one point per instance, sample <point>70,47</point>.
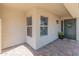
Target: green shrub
<point>61,33</point>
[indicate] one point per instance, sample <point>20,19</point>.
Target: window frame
<point>43,26</point>
<point>29,25</point>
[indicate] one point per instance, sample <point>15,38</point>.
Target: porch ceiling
<point>56,8</point>
<point>73,9</point>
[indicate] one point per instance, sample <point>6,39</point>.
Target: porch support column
<point>77,29</point>
<point>0,37</point>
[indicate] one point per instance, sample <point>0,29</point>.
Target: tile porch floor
<point>59,47</point>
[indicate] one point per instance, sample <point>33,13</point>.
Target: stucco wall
<point>13,28</point>
<point>53,28</point>
<point>0,30</point>
<point>37,41</point>
<point>32,40</point>
<point>0,36</point>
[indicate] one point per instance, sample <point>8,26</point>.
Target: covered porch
<point>37,26</point>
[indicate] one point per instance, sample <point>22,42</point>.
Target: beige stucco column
<point>32,40</point>
<point>0,36</point>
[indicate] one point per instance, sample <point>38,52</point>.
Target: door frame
<point>75,25</point>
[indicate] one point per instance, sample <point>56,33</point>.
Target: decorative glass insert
<point>44,20</point>
<point>29,20</point>
<point>29,26</point>
<point>43,26</point>
<point>68,25</point>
